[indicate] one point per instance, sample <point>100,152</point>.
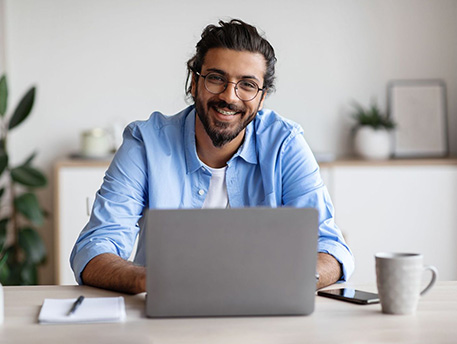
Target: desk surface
<point>332,322</point>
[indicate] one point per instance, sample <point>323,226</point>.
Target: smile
<point>226,113</point>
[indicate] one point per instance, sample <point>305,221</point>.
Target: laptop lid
<point>227,262</point>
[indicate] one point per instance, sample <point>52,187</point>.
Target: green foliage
<point>28,176</point>
<point>19,257</point>
<point>372,116</point>
<point>27,204</point>
<point>3,224</point>
<point>3,162</point>
<point>32,244</point>
<point>3,95</point>
<point>29,160</point>
<point>23,109</point>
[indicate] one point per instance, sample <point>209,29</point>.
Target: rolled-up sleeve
<point>118,206</point>
<point>303,187</point>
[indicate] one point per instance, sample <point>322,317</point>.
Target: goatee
<point>219,132</point>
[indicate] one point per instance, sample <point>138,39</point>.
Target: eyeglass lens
<point>244,89</point>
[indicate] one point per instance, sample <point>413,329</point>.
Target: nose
<point>229,94</point>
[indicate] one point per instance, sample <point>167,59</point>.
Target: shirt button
<point>201,192</point>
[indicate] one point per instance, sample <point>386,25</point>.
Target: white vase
<point>373,144</point>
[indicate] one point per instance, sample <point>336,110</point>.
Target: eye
<point>215,79</point>
<point>248,85</point>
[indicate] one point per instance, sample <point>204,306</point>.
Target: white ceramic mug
<point>399,277</point>
<point>95,143</point>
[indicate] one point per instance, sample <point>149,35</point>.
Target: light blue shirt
<point>157,166</point>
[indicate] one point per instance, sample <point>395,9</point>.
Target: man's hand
<point>328,268</point>
<point>109,271</point>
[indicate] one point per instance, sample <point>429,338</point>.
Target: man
<point>223,151</point>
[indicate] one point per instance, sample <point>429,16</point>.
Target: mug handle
<point>434,272</point>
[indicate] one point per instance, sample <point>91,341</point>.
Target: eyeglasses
<point>216,83</point>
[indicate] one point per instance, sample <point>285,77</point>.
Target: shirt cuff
<point>86,254</point>
<point>342,254</point>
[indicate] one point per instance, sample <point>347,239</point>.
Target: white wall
<point>2,38</point>
<point>96,62</point>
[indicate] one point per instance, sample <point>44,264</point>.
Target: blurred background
<point>105,63</point>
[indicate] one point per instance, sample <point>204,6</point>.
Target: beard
<point>220,132</point>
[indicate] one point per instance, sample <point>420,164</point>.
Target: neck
<point>215,157</point>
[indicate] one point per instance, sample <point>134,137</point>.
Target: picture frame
<point>418,107</point>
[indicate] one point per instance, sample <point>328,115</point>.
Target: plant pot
<point>373,144</point>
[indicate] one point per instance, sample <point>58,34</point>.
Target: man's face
<point>224,116</point>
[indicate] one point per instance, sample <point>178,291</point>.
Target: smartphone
<point>350,295</point>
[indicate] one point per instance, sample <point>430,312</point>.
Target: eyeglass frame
<point>230,82</point>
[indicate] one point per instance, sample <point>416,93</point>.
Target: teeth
<point>227,113</point>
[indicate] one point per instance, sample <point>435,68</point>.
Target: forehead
<point>237,64</point>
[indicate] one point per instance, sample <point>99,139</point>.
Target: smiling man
<point>224,107</point>
<point>223,151</point>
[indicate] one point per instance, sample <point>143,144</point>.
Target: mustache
<point>223,104</point>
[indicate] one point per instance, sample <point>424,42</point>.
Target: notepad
<point>92,310</point>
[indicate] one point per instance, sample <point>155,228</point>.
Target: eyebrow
<point>220,71</point>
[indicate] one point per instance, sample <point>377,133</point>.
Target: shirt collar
<point>247,150</point>
<point>192,161</point>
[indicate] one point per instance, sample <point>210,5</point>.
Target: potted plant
<point>372,132</point>
<point>21,247</point>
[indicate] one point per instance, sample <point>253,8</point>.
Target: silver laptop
<point>231,262</point>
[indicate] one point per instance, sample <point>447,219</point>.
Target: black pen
<point>75,305</point>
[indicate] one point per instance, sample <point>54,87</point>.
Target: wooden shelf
<point>391,162</point>
<point>82,163</point>
<point>349,161</point>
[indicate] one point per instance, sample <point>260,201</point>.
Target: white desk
<point>332,322</point>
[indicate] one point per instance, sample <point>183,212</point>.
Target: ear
<point>193,85</point>
<point>262,99</point>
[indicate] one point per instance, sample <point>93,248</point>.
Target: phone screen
<point>350,295</point>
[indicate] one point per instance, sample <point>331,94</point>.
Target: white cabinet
<point>408,205</point>
<point>397,207</point>
<point>76,185</point>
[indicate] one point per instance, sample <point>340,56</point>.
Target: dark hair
<point>235,35</point>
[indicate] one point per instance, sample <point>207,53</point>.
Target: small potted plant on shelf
<point>372,132</point>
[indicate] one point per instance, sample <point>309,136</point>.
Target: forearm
<point>328,268</point>
<point>109,271</point>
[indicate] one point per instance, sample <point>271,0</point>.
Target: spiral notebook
<point>92,310</point>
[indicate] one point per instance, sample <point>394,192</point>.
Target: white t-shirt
<point>217,193</point>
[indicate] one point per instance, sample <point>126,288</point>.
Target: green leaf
<point>4,269</point>
<point>28,176</point>
<point>3,95</point>
<point>372,116</point>
<point>32,244</point>
<point>23,109</point>
<point>15,274</point>
<point>3,227</point>
<point>27,204</point>
<point>29,160</point>
<point>2,191</point>
<point>3,161</point>
<point>28,274</point>
<point>3,259</point>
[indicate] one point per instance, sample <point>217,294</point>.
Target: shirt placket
<point>233,185</point>
<point>200,186</point>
